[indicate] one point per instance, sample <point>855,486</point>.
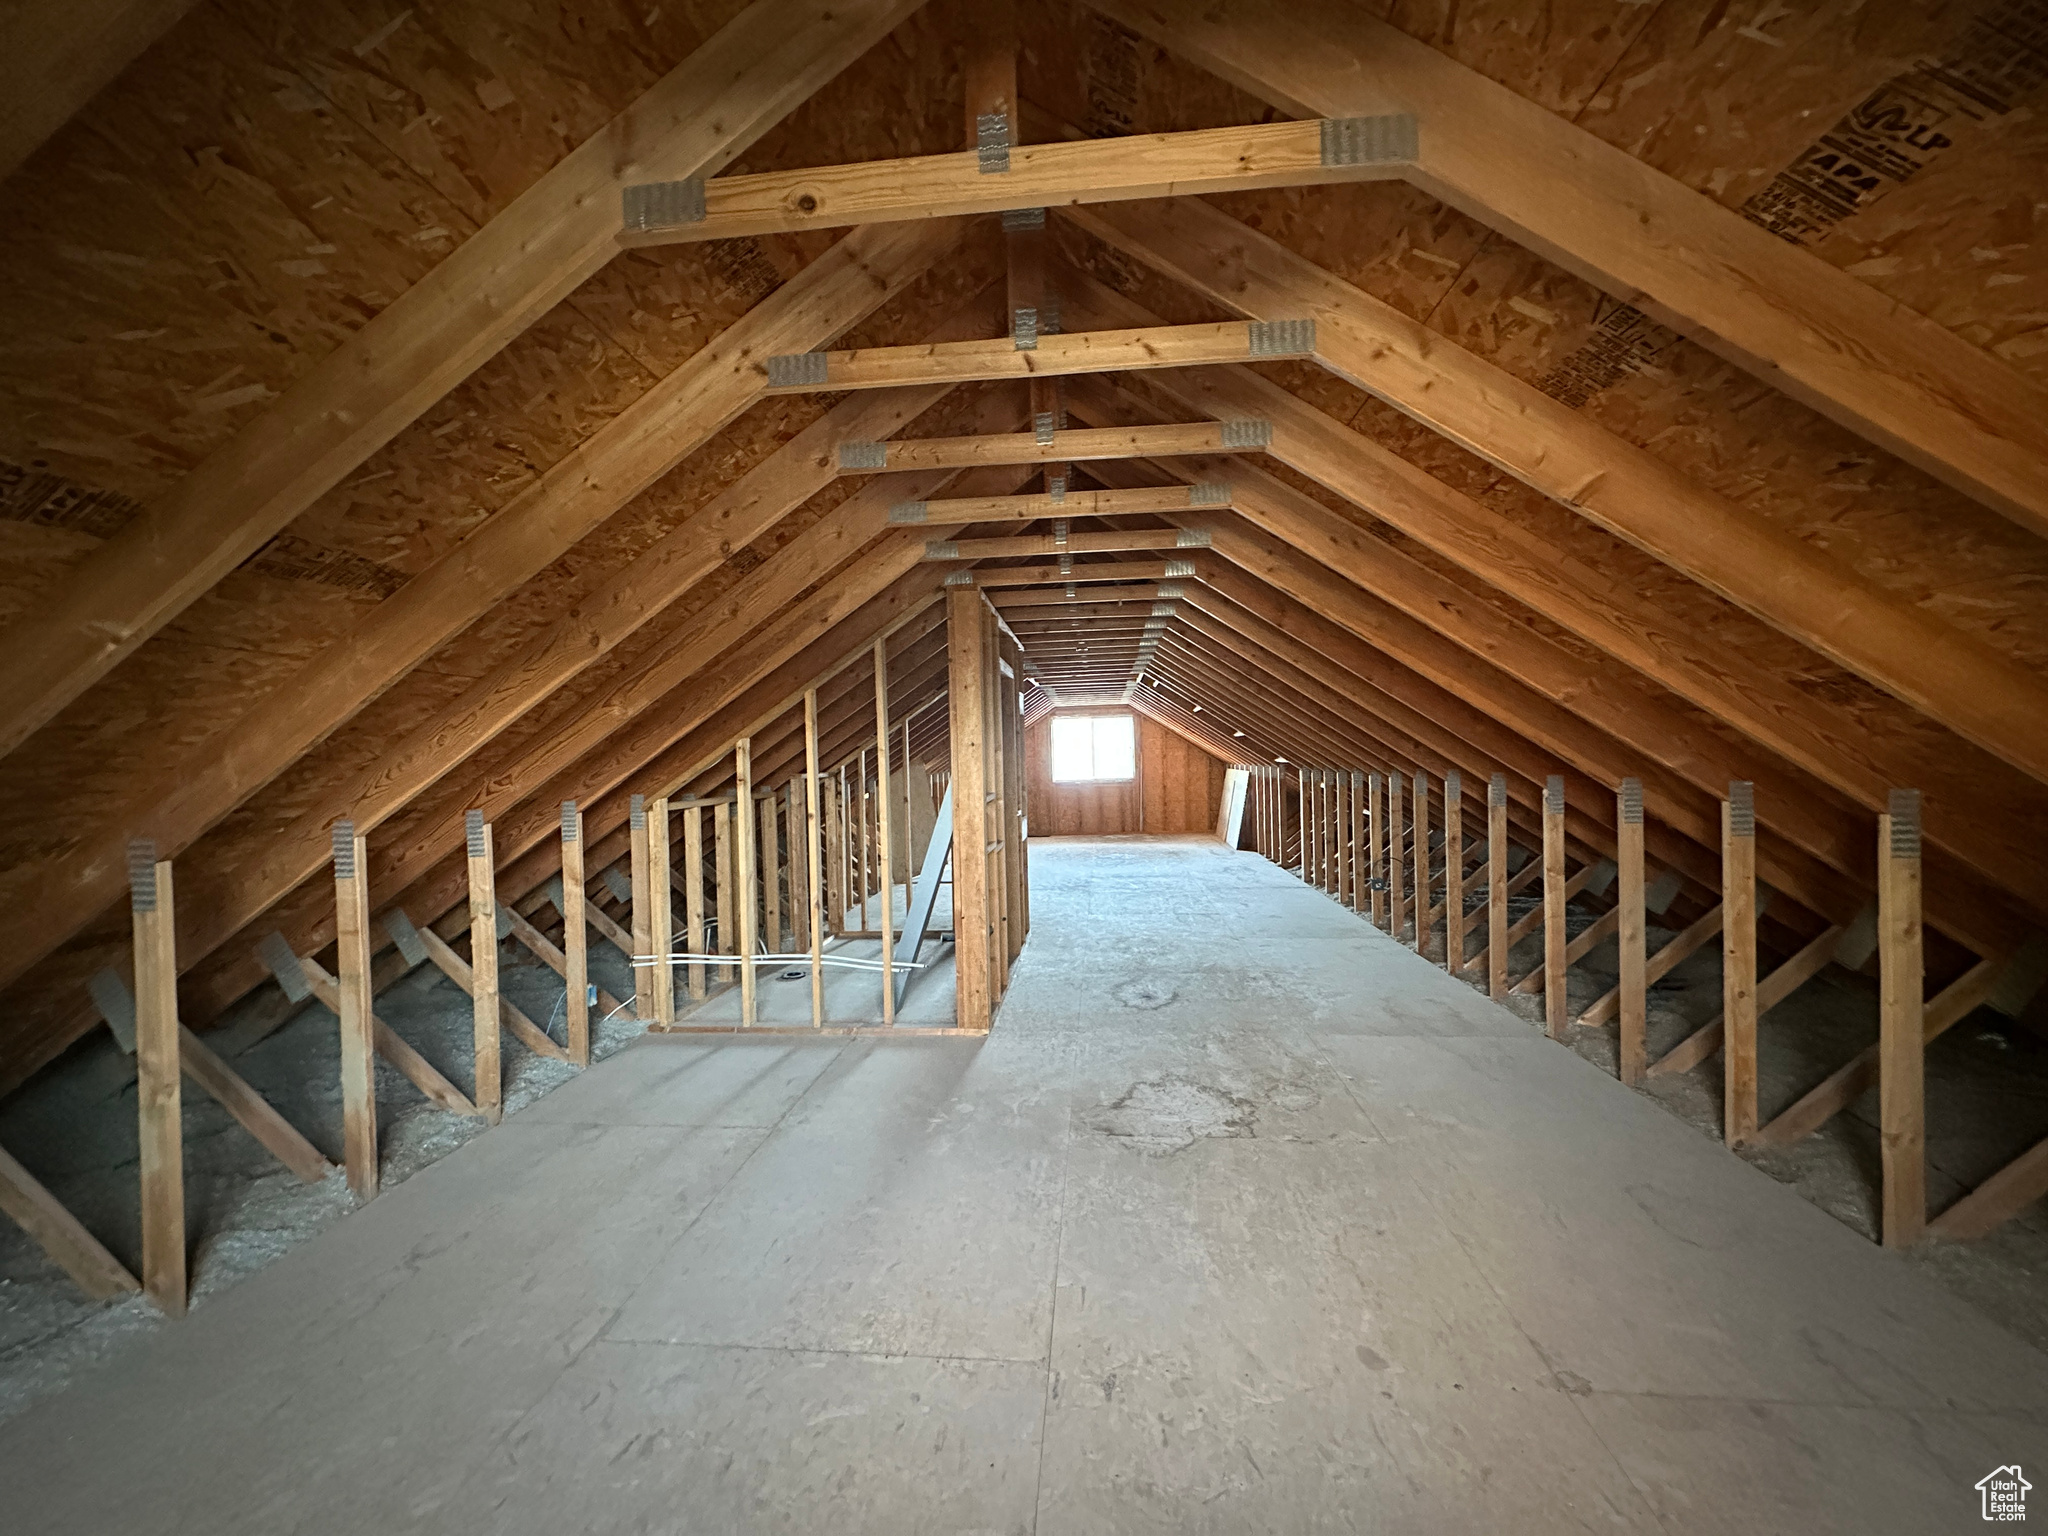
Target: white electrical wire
<point>802,957</point>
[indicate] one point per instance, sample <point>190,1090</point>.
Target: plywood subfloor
<point>1244,1219</point>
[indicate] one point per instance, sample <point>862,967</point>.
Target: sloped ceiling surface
<point>265,180</point>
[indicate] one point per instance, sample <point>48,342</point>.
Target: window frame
<point>1094,723</point>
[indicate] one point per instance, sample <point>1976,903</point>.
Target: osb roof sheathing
<point>269,176</point>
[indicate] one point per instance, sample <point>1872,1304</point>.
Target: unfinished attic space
<point>1115,766</point>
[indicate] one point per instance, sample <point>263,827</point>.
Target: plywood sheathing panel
<point>185,249</point>
<point>2020,799</point>
<point>1726,97</point>
<point>430,487</point>
<point>1413,254</point>
<point>477,99</point>
<point>1697,608</point>
<point>462,786</point>
<point>441,478</point>
<point>1556,56</point>
<point>1726,429</point>
<point>492,437</point>
<point>251,633</point>
<point>45,996</point>
<point>468,455</point>
<point>1722,95</point>
<point>1712,420</point>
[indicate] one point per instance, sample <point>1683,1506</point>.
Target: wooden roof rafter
<point>776,661</point>
<point>1887,374</point>
<point>696,120</point>
<point>1825,829</point>
<point>619,461</point>
<point>1984,696</point>
<point>1258,628</point>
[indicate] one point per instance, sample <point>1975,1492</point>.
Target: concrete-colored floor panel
<point>658,1438</point>
<point>1719,1467</point>
<point>693,1081</point>
<point>1297,1260</point>
<point>357,1382</point>
<point>1350,1456</point>
<point>1245,1219</point>
<point>909,1205</point>
<point>1753,1296</point>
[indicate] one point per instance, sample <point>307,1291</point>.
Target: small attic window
<point>1089,749</point>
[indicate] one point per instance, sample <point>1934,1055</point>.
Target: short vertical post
<point>1323,830</point>
<point>1265,781</point>
<point>1312,823</point>
<point>1340,783</point>
<point>743,829</point>
<point>1360,891</point>
<point>771,871</point>
<point>1266,812</point>
<point>799,900</point>
<point>909,823</point>
<point>1354,838</point>
<point>1340,835</point>
<point>1738,964</point>
<point>1312,826</point>
<point>1497,887</point>
<point>1331,850</point>
<point>1305,813</point>
<point>1454,873</point>
<point>1253,791</point>
<point>1255,794</point>
<point>1422,880</point>
<point>1274,816</point>
<point>842,822</point>
<point>642,915</point>
<point>1902,1039</point>
<point>1361,861</point>
<point>693,895</point>
<point>1301,816</point>
<point>728,921</point>
<point>575,936</point>
<point>1397,898</point>
<point>358,1040</point>
<point>661,914</point>
<point>483,967</point>
<point>835,852</point>
<point>814,857</point>
<point>1377,837</point>
<point>1628,860</point>
<point>886,834</point>
<point>1554,937</point>
<point>1325,826</point>
<point>158,1077</point>
<point>862,858</point>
